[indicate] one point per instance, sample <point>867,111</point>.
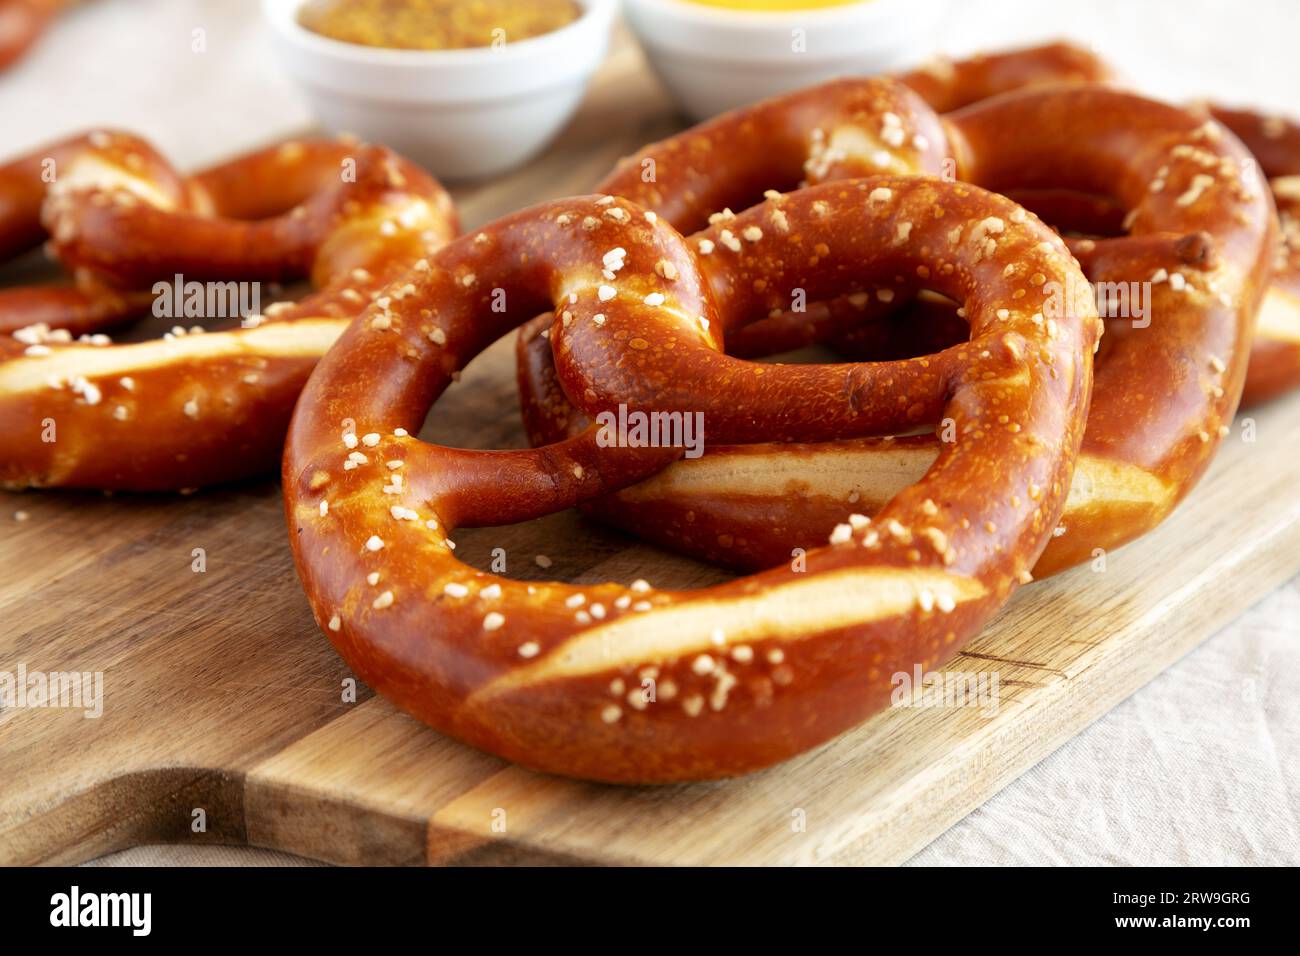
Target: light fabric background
<point>1200,767</point>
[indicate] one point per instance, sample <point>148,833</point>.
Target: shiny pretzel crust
<point>744,674</point>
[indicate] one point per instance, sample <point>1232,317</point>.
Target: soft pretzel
<point>90,304</point>
<point>1274,367</point>
<point>190,409</point>
<point>21,24</point>
<point>556,676</point>
<point>1275,358</point>
<point>1200,225</point>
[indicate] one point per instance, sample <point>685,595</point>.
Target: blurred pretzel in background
<point>1197,231</point>
<point>21,24</point>
<point>189,409</point>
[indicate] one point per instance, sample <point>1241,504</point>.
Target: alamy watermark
<point>182,299</point>
<point>1114,300</point>
<point>71,690</point>
<point>947,689</point>
<point>637,429</point>
<point>133,911</point>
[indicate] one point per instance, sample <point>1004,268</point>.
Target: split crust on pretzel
<point>189,409</point>
<point>1200,231</point>
<point>555,676</point>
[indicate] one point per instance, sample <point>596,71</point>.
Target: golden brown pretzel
<point>1275,352</point>
<point>1274,140</point>
<point>189,409</point>
<point>1275,358</point>
<point>25,182</point>
<point>555,676</point>
<point>1165,390</point>
<point>21,24</point>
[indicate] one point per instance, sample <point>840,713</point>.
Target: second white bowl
<point>714,59</point>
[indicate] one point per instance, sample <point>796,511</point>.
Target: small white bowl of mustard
<point>467,88</point>
<point>715,55</point>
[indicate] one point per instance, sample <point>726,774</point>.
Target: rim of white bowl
<point>283,17</point>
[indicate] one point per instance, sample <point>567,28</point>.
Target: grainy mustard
<point>435,24</point>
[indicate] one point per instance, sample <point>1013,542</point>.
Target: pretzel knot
<point>189,409</point>
<point>1184,281</point>
<point>633,683</point>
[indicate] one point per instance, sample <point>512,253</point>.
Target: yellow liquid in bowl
<point>774,6</point>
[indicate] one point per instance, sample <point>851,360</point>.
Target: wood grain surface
<point>223,703</point>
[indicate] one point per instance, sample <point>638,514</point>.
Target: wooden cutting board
<point>222,703</point>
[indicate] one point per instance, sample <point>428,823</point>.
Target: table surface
<point>1200,767</point>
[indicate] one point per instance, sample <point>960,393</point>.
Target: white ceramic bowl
<point>464,114</point>
<point>714,59</point>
